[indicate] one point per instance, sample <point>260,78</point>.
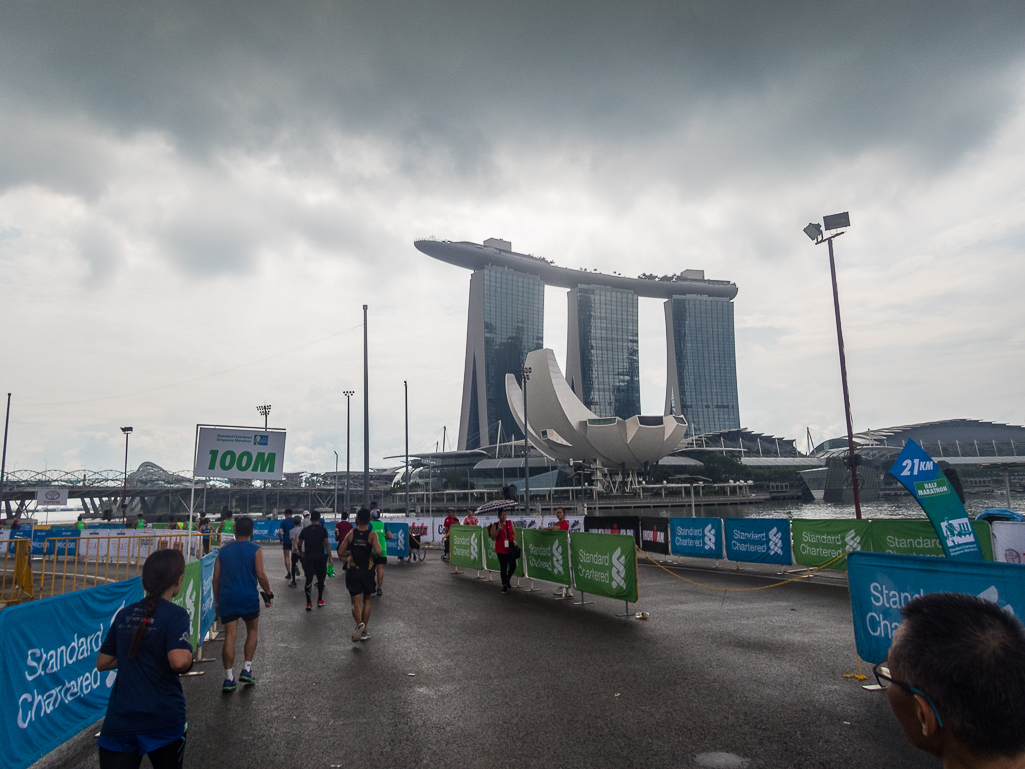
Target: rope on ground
<point>743,589</point>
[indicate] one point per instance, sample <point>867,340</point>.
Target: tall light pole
<point>265,410</point>
<point>3,460</point>
<point>348,442</point>
<point>405,385</point>
<point>336,483</point>
<point>526,441</point>
<point>124,490</point>
<point>366,416</point>
<point>814,231</point>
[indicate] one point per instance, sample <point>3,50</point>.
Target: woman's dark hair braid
<point>162,570</point>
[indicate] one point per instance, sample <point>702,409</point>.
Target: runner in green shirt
<point>80,524</point>
<point>140,522</point>
<point>227,526</point>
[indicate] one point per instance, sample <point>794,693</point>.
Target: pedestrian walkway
<point>459,675</point>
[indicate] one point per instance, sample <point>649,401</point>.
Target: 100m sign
<point>244,461</point>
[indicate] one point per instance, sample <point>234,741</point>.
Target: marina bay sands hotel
<point>506,321</point>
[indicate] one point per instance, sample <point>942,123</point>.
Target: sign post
<point>920,474</point>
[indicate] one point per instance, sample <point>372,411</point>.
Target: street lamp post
<point>265,410</point>
<point>348,423</point>
<point>405,385</point>
<point>3,460</point>
<point>366,416</point>
<point>124,490</point>
<point>815,232</point>
<point>526,442</point>
<point>336,483</point>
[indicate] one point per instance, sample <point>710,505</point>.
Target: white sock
<point>249,666</point>
<point>229,674</point>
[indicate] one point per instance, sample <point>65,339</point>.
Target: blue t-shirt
<point>239,590</point>
<point>286,527</point>
<point>147,694</point>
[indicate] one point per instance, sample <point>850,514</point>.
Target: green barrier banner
<point>921,475</point>
<point>819,542</point>
<point>491,557</point>
<point>190,598</point>
<point>466,546</point>
<point>604,564</point>
<point>546,554</point>
<point>919,538</point>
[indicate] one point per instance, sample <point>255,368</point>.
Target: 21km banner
<point>921,475</point>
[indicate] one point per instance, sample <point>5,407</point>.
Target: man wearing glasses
<point>955,679</point>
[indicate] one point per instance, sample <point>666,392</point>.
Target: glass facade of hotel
<point>609,379</point>
<point>703,386</point>
<point>513,309</point>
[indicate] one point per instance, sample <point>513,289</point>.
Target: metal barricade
<point>16,583</point>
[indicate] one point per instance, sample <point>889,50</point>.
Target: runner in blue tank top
<point>237,571</point>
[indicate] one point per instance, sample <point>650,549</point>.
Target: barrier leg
<point>478,575</point>
<point>563,593</point>
<point>626,610</point>
<point>533,589</point>
<point>582,601</point>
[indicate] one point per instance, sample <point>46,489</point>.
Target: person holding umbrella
<point>504,536</point>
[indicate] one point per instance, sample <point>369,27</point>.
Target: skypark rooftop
<point>499,253</point>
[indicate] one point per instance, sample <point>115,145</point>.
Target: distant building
<point>702,363</point>
<point>601,356</point>
<point>506,320</point>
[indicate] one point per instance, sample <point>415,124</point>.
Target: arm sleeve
<point>109,646</point>
<point>179,629</point>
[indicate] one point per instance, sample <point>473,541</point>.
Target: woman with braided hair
<point>148,645</point>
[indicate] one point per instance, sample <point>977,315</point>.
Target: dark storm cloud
<point>822,80</point>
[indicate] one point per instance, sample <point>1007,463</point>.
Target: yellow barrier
<point>16,584</point>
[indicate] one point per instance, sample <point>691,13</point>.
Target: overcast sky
<point>196,199</point>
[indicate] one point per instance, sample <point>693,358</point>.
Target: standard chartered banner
<point>190,598</point>
<point>880,584</point>
<point>398,545</point>
<point>207,613</point>
<point>1008,541</point>
<point>466,546</point>
<point>50,689</point>
<point>701,537</point>
<point>819,542</point>
<point>546,554</point>
<point>491,557</point>
<point>919,538</point>
<point>228,452</point>
<point>605,564</point>
<point>758,540</point>
<point>920,474</point>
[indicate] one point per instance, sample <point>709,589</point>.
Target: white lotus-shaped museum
<point>564,428</point>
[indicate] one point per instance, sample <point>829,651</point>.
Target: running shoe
<point>246,677</point>
<point>380,593</point>
<point>309,606</point>
<point>364,636</point>
<point>358,632</point>
<point>320,603</point>
<point>228,685</point>
<point>288,575</point>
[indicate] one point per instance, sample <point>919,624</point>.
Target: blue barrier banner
<point>398,545</point>
<point>758,540</point>
<point>701,537</point>
<point>50,688</point>
<point>920,474</point>
<point>61,532</point>
<point>206,610</point>
<point>880,583</point>
<point>39,541</point>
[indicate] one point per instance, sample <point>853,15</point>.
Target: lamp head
<point>126,430</point>
<point>813,230</point>
<point>837,221</point>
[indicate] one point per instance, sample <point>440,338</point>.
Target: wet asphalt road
<point>524,680</point>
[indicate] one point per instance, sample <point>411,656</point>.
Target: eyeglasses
<point>884,679</point>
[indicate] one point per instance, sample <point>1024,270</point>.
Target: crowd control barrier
<point>546,555</point>
<point>697,537</point>
<point>605,564</point>
<point>818,542</point>
<point>466,546</point>
<point>614,524</point>
<point>16,581</point>
<point>758,540</point>
<point>491,557</point>
<point>50,688</point>
<point>881,583</point>
<point>909,537</point>
<point>655,535</point>
<point>1008,541</point>
<point>398,545</point>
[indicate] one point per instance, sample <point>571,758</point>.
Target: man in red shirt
<point>342,529</point>
<point>451,519</point>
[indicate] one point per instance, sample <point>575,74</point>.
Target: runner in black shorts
<point>362,548</point>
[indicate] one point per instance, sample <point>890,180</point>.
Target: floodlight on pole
<point>348,442</point>
<point>265,410</point>
<point>526,442</point>
<point>832,223</point>
<point>124,490</point>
